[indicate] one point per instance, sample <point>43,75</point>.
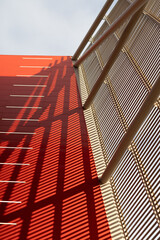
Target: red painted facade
<point>58,192</point>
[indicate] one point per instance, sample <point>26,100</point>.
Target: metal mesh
<point>92,69</point>
<point>144,42</point>
<point>135,181</point>
<point>153,8</point>
<point>120,7</point>
<point>129,88</point>
<point>107,47</point>
<point>108,122</point>
<point>101,30</point>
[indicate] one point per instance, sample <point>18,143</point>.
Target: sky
<point>45,27</point>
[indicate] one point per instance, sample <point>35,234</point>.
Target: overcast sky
<point>45,27</point>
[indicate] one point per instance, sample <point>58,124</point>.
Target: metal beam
<point>92,29</point>
<point>133,8</point>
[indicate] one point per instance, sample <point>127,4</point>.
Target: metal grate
<point>138,49</point>
<point>92,69</point>
<point>135,182</point>
<point>107,47</point>
<point>153,8</point>
<point>129,88</point>
<point>117,11</point>
<point>101,31</point>
<point>137,199</point>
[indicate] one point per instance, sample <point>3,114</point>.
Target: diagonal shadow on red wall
<point>57,190</point>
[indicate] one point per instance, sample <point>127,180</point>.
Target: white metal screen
<point>136,180</point>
